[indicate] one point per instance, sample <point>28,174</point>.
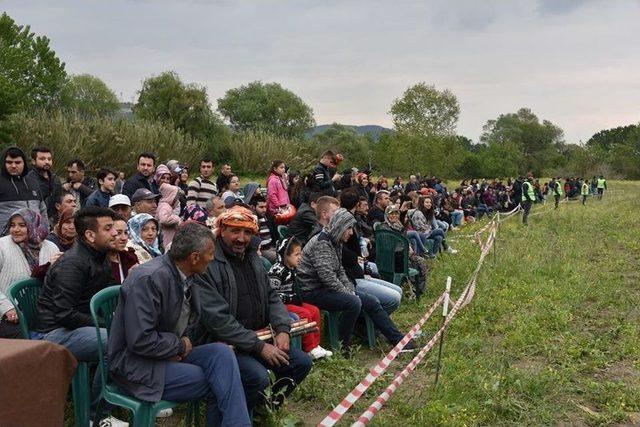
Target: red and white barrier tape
<point>337,412</point>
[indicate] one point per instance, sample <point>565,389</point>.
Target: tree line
<point>254,123</point>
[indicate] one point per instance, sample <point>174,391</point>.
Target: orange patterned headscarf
<point>237,216</point>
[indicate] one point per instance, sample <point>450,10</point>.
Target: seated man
<point>151,355</point>
<point>304,220</point>
<point>62,313</point>
<point>325,284</point>
<point>237,300</point>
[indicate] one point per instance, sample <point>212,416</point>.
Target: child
<point>259,207</point>
<point>282,277</point>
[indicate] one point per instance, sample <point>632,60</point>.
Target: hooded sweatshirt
<point>18,192</point>
<point>321,264</point>
<point>282,278</point>
<point>167,219</point>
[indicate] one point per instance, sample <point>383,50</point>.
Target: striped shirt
<point>264,233</point>
<point>200,191</point>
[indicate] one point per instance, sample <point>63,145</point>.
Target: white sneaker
<point>165,413</point>
<point>451,250</point>
<point>319,353</point>
<point>111,422</point>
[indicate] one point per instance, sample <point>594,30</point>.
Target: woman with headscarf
<point>143,237</point>
<point>22,250</point>
<point>64,232</point>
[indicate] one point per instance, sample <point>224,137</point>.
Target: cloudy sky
<point>576,63</point>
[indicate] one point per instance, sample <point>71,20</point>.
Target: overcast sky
<point>576,63</point>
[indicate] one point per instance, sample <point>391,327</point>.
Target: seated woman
<point>121,257</point>
<point>424,222</point>
<point>143,237</point>
<point>233,189</point>
<point>22,250</point>
<point>392,222</point>
<point>282,278</point>
<point>324,282</point>
<point>166,213</point>
<point>64,232</point>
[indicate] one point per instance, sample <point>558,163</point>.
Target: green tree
<point>29,69</point>
<point>538,143</point>
<point>89,96</point>
<point>167,99</point>
<point>424,110</point>
<point>266,107</point>
<point>355,148</point>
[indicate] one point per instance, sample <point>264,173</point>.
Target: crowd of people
<point>190,251</point>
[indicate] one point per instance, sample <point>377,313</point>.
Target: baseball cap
<point>119,199</point>
<point>143,194</point>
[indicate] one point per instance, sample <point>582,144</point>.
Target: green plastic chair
<point>331,325</point>
<point>387,242</point>
<point>103,306</point>
<point>24,296</point>
<point>266,263</point>
<point>283,231</point>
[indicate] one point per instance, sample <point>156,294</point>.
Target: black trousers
<point>526,206</point>
<point>9,329</point>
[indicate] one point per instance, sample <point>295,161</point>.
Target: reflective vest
<point>559,191</point>
<point>585,189</point>
<point>528,190</point>
<point>601,182</point>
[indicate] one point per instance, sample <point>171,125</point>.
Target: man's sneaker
<point>165,413</point>
<point>451,250</point>
<point>411,346</point>
<point>111,422</point>
<point>319,353</point>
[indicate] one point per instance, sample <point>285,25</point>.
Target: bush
<point>103,141</point>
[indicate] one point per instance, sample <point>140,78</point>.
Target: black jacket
<point>50,189</point>
<point>219,304</point>
<point>302,223</point>
<point>86,188</point>
<point>138,181</point>
<point>322,180</point>
<point>68,287</point>
<point>142,337</point>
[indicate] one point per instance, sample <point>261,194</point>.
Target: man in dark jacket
<point>18,189</point>
<point>237,300</point>
<point>78,183</point>
<point>380,203</point>
<point>63,315</point>
<point>143,178</point>
<point>50,185</point>
<point>324,174</point>
<point>150,351</point>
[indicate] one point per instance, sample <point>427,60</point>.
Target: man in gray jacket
<point>150,350</point>
<point>237,300</point>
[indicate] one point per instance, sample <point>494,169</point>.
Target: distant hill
<point>374,130</point>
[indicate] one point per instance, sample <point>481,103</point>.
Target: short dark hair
<point>329,153</point>
<point>190,237</point>
<point>206,160</point>
<point>39,149</point>
<point>14,152</point>
<point>147,155</point>
<point>104,172</point>
<point>87,218</point>
<point>64,193</point>
<point>77,162</point>
<point>349,199</point>
<point>257,198</point>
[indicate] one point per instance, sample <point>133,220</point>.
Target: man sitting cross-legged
<point>237,300</point>
<point>151,355</point>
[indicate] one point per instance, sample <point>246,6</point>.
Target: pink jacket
<point>277,194</point>
<point>164,214</point>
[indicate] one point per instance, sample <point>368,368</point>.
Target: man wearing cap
<point>121,205</point>
<point>144,201</point>
<point>237,300</point>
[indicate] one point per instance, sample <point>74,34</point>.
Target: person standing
<point>602,185</point>
<point>558,192</point>
<point>584,191</point>
<point>223,179</point>
<point>324,174</point>
<point>107,185</point>
<point>202,188</point>
<point>78,183</point>
<point>528,197</point>
<point>143,178</point>
<point>150,335</point>
<point>18,189</point>
<point>50,186</point>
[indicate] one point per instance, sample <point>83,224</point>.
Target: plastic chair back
<point>283,231</point>
<point>266,264</point>
<point>387,242</point>
<point>103,306</point>
<point>24,297</point>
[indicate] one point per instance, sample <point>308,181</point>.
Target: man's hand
<point>55,257</point>
<point>12,316</point>
<point>76,185</point>
<point>336,177</point>
<point>66,186</point>
<point>187,347</point>
<point>274,356</point>
<point>282,341</point>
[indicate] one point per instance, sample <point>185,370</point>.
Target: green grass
<point>551,336</point>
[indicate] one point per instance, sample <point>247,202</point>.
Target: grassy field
<point>551,336</point>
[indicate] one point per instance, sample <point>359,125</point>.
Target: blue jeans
<point>416,242</point>
<point>255,377</point>
<point>457,217</point>
<point>83,344</point>
<point>209,372</point>
<point>387,293</point>
<point>436,234</point>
